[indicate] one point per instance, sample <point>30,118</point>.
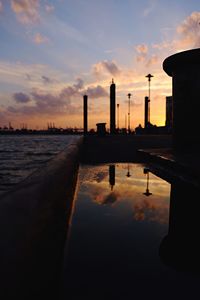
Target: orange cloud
<point>187,36</point>
<point>189,31</point>
<point>142,48</point>
<point>40,39</point>
<point>150,210</point>
<point>142,51</point>
<point>152,60</point>
<point>27,11</point>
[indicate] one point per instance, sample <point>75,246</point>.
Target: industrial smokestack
<point>85,114</point>
<point>112,108</point>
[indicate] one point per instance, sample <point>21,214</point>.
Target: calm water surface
<point>20,155</point>
<point>120,219</point>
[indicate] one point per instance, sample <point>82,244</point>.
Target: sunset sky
<point>53,52</point>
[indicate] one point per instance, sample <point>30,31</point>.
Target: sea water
<point>20,155</point>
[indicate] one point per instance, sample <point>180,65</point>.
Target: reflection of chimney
<point>112,176</point>
<point>112,108</point>
<point>128,172</point>
<point>85,114</point>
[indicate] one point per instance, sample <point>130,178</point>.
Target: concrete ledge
<point>171,166</point>
<point>120,148</point>
<point>34,218</point>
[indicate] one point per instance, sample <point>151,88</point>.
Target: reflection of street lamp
<point>147,193</point>
<point>129,108</point>
<point>149,76</point>
<point>128,172</point>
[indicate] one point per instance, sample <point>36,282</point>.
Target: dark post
<point>184,69</point>
<point>169,112</point>
<point>101,129</point>
<point>112,108</point>
<point>146,111</point>
<point>85,114</point>
<point>112,176</point>
<point>129,112</point>
<point>149,76</point>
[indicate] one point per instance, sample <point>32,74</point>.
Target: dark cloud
<point>109,66</point>
<point>21,98</point>
<point>110,198</point>
<point>51,104</point>
<point>96,92</point>
<point>28,77</point>
<point>46,79</point>
<point>100,176</point>
<point>73,90</point>
<point>79,84</point>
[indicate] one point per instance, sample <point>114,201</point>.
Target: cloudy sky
<point>53,52</point>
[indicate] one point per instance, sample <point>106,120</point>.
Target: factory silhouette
<point>148,127</point>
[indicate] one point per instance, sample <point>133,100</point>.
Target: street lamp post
<point>129,108</point>
<point>149,76</point>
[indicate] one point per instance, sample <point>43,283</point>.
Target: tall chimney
<point>85,114</point>
<point>112,108</point>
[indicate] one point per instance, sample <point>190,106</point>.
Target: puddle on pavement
<point>117,245</point>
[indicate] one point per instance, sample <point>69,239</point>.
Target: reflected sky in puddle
<point>133,236</point>
<point>126,190</point>
<point>120,218</point>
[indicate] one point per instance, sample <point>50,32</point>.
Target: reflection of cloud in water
<point>111,198</point>
<point>100,176</point>
<point>151,211</point>
<point>103,199</point>
<point>128,192</point>
<point>94,175</point>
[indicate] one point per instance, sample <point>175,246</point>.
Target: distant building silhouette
<point>101,129</point>
<point>169,112</point>
<point>85,114</point>
<point>112,108</point>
